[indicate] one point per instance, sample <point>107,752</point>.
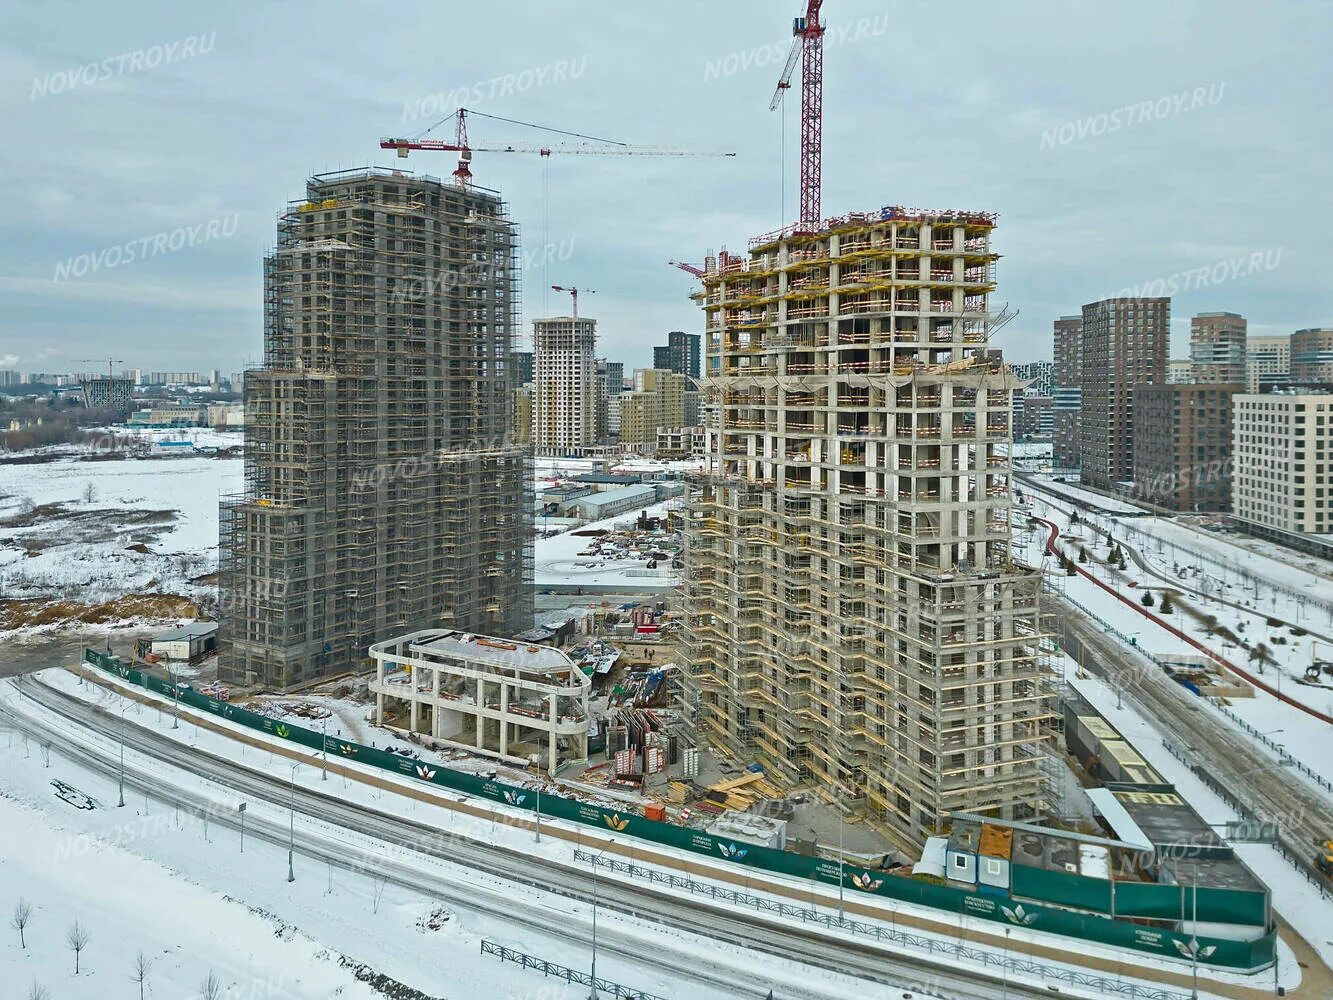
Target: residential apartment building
<point>564,398</point>
<point>1217,348</point>
<point>1283,467</point>
<point>116,393</point>
<point>679,355</point>
<point>1124,345</point>
<point>1039,374</point>
<point>1267,363</point>
<point>383,490</point>
<point>1067,374</point>
<point>523,367</point>
<point>1312,356</point>
<point>657,400</point>
<point>1182,445</point>
<point>854,622</point>
<point>1179,371</point>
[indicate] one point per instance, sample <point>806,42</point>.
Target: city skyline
<point>1063,155</point>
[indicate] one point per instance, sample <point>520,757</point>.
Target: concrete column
<point>550,740</point>
<point>504,717</point>
<point>379,695</point>
<point>435,705</point>
<point>415,704</point>
<point>481,720</point>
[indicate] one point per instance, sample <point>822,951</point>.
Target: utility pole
<point>121,783</point>
<point>539,816</point>
<point>291,830</point>
<point>324,746</point>
<point>241,809</point>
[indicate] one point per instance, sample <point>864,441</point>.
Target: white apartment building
<point>1268,358</point>
<point>564,386</point>
<point>1282,480</point>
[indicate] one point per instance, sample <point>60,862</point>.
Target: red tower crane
<point>809,41</point>
<point>460,145</point>
<point>574,294</point>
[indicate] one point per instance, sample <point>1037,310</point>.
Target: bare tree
<point>37,992</point>
<point>89,492</point>
<point>22,914</point>
<point>141,966</point>
<point>379,884</point>
<point>76,939</point>
<point>210,988</point>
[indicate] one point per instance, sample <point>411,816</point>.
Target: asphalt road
<point>854,955</point>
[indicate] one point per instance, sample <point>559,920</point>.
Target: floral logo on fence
<point>347,750</point>
<point>732,852</point>
<point>282,731</point>
<point>515,798</point>
<point>425,772</point>
<point>1193,949</point>
<point>615,822</point>
<point>1019,916</point>
<point>865,883</point>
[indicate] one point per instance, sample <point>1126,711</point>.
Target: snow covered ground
<point>511,831</point>
<point>557,560</point>
<point>1305,737</point>
<point>337,909</point>
<point>94,530</point>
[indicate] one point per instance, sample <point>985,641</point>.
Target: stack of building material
<point>737,793</point>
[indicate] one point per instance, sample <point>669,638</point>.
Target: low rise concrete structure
<point>513,701</point>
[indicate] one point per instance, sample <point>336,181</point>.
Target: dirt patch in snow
<point>35,612</point>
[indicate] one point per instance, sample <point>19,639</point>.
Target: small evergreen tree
<point>1147,599</point>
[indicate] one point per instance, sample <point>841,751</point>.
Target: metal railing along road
<point>569,975</point>
<point>1004,964</point>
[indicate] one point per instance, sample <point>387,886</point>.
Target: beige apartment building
<point>855,624</point>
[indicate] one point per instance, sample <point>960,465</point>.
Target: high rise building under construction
<point>383,491</point>
<point>855,623</point>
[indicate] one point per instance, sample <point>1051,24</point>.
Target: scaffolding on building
<point>855,622</point>
<point>383,489</point>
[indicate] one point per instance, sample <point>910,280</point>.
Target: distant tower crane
<point>461,145</point>
<point>574,294</point>
<point>109,363</point>
<point>810,42</point>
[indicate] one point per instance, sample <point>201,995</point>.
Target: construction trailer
<point>854,620</point>
<point>382,486</point>
<point>512,701</point>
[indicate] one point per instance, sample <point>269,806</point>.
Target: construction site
<point>855,622</point>
<point>382,491</point>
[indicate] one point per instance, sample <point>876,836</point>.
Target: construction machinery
<point>465,149</point>
<point>1324,859</point>
<point>574,294</point>
<point>809,41</point>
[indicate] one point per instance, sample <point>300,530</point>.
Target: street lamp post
<point>121,804</point>
<point>324,747</point>
<point>291,831</point>
<point>539,816</point>
<point>841,877</point>
<point>241,809</point>
<point>592,994</point>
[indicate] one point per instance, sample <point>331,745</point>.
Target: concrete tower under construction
<point>383,491</point>
<point>854,621</point>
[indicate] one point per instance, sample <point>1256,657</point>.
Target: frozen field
<point>92,531</point>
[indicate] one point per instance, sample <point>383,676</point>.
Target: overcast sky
<point>1122,145</point>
